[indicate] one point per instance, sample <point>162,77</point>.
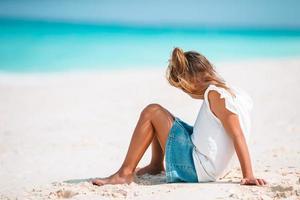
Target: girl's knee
<point>150,109</point>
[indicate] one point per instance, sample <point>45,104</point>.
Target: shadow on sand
<point>148,180</point>
<point>140,180</point>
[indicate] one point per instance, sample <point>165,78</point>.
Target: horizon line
<point>161,26</point>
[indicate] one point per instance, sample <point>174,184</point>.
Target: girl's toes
<point>97,181</point>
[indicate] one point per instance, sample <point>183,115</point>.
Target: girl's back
<point>213,146</point>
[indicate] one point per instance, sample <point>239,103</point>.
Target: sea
<point>47,46</point>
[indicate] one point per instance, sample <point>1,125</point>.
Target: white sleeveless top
<point>214,148</point>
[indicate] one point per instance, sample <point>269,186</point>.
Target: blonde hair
<point>192,72</point>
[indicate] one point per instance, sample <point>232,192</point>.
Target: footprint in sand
<point>65,194</point>
<point>282,191</point>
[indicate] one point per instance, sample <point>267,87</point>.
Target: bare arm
<point>232,126</point>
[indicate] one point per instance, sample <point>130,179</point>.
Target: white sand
<point>74,126</point>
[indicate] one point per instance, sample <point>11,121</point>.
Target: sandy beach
<point>58,130</point>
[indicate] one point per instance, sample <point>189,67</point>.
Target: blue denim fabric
<point>179,158</point>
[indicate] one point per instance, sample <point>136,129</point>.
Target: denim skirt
<point>179,153</point>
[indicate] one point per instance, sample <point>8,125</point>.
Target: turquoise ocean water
<point>39,46</point>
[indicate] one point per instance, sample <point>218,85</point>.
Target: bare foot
<point>150,169</point>
<point>116,178</point>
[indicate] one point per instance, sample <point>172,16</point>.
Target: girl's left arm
<point>232,126</point>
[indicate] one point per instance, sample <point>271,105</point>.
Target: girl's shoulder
<point>232,102</point>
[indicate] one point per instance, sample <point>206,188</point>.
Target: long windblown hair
<point>192,72</point>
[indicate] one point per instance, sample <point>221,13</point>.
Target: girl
<point>199,153</point>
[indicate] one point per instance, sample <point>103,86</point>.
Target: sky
<point>210,13</point>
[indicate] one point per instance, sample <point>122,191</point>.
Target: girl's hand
<point>253,181</point>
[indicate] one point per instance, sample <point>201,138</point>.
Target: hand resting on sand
<point>253,181</point>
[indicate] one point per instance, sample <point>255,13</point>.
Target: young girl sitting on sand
<point>199,153</point>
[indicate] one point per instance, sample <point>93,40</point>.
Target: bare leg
<point>156,165</point>
<point>154,121</point>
